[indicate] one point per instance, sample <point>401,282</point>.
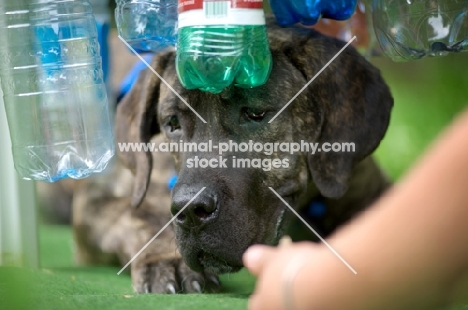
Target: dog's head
<point>347,102</point>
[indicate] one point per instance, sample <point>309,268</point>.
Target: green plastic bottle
<point>222,43</point>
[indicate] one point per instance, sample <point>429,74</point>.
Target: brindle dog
<point>115,216</point>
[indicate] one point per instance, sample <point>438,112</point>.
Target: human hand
<point>276,269</point>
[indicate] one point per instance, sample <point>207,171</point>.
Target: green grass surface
<point>428,94</point>
<point>61,285</point>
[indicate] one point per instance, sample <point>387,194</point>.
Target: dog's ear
<point>136,122</point>
<point>354,103</point>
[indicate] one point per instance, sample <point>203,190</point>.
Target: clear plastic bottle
<point>308,12</point>
<point>147,25</point>
<point>222,43</point>
<point>54,94</point>
<point>413,29</point>
<point>102,14</point>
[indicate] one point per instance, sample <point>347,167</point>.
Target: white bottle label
<point>220,12</point>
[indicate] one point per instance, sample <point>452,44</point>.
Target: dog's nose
<point>201,210</point>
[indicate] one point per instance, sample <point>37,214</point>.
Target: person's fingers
<point>268,265</point>
<point>256,257</point>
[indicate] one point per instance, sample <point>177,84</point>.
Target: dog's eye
<point>253,115</point>
<point>174,123</point>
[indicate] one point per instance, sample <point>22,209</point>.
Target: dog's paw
<point>172,277</point>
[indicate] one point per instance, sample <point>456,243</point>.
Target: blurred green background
<point>428,95</point>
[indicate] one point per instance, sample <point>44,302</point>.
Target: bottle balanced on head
<point>222,43</point>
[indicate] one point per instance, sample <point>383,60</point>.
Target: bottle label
<point>220,12</point>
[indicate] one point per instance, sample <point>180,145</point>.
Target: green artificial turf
<point>428,94</point>
<point>61,285</point>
